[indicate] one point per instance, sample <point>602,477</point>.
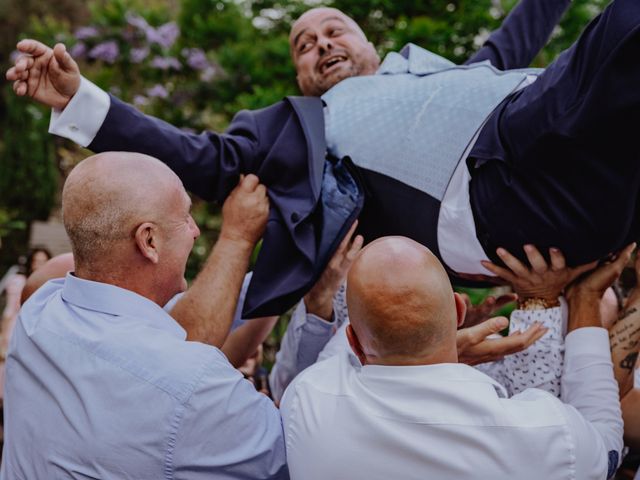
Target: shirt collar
<point>414,59</point>
<point>106,298</point>
<point>437,373</point>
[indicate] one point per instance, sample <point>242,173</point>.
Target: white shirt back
<point>446,421</point>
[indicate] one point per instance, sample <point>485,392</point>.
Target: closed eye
<point>304,46</point>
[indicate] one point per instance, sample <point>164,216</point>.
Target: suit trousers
<point>556,164</point>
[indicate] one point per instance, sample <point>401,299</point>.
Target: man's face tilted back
<point>327,46</point>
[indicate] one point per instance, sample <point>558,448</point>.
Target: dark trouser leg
<point>558,163</point>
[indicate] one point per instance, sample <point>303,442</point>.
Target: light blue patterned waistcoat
<point>414,120</point>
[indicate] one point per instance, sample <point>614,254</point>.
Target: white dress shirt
<point>450,421</point>
<point>459,247</point>
<point>309,339</point>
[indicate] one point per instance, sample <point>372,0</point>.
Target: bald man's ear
<point>354,342</point>
<point>461,308</point>
<point>146,237</point>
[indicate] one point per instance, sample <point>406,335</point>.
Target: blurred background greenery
<point>195,63</point>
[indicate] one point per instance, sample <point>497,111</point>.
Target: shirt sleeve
<point>226,430</point>
<point>306,336</point>
<point>306,341</point>
<point>593,411</point>
<point>83,116</point>
<point>540,365</point>
<point>238,321</point>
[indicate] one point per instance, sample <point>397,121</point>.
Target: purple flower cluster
<point>140,101</point>
<point>86,33</point>
<point>165,35</point>
<point>106,51</point>
<point>196,58</point>
<point>137,55</point>
<point>157,91</point>
<point>136,21</point>
<point>208,73</point>
<point>165,63</point>
<point>79,50</point>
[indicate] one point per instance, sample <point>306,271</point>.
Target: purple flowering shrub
<point>167,63</point>
<point>142,58</point>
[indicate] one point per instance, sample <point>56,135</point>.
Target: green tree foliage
<point>28,173</point>
<point>28,177</point>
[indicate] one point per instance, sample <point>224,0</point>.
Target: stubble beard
<point>326,83</point>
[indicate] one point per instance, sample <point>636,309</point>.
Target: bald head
<point>400,302</point>
<point>320,14</point>
<point>107,195</point>
<point>129,222</point>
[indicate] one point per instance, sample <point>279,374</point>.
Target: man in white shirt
<point>403,407</point>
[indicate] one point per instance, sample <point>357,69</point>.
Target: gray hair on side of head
<point>106,196</point>
<point>93,235</point>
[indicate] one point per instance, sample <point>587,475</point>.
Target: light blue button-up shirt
<point>101,383</point>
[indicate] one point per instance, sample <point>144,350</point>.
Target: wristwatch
<point>537,303</point>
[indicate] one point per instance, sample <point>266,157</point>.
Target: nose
<point>194,228</point>
<point>324,44</point>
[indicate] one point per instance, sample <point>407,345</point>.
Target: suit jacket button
<point>295,217</point>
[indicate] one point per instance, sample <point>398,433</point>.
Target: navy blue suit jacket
<point>284,146</point>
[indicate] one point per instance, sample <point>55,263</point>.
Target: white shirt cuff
<point>83,116</point>
<point>587,343</point>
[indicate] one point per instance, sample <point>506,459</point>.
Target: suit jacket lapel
<point>309,111</point>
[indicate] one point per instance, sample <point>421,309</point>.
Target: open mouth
<point>332,62</point>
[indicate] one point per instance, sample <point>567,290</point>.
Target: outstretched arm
<point>522,35</point>
<point>208,164</point>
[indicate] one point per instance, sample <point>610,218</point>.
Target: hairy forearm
<point>245,340</point>
<point>206,309</point>
<point>584,311</point>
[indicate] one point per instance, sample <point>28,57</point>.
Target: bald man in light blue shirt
<point>104,383</point>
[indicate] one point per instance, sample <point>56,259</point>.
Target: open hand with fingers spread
<point>541,280</point>
<point>480,344</point>
<point>48,75</point>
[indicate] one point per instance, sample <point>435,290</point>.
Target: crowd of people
<point>117,369</point>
